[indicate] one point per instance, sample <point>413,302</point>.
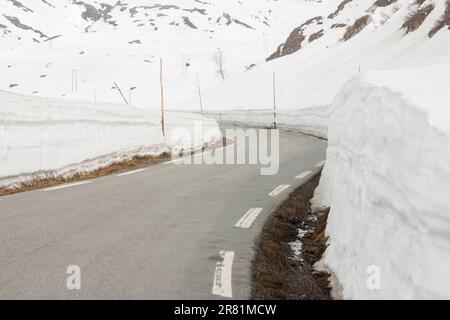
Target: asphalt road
<point>166,232</point>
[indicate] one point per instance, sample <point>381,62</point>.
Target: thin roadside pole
<point>162,96</point>
<point>120,91</point>
<point>274,101</point>
<point>199,95</point>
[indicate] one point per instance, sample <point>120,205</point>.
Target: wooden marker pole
<point>162,97</point>
<point>200,95</point>
<point>274,102</point>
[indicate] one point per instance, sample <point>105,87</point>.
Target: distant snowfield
<point>125,46</point>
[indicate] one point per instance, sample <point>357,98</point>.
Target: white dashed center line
<point>131,172</point>
<point>320,164</point>
<point>67,185</point>
<point>222,275</point>
<point>247,219</point>
<point>304,174</point>
<point>279,190</point>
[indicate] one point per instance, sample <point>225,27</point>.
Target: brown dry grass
<point>275,274</point>
<point>415,19</point>
<point>37,181</point>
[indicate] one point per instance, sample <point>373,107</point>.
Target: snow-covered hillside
<point>78,49</point>
<point>325,60</point>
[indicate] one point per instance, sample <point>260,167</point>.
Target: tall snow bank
<point>387,181</point>
<point>63,137</point>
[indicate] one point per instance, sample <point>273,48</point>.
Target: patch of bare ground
<point>278,273</point>
<point>419,2</point>
<point>38,181</point>
<point>315,36</point>
<point>295,40</point>
<point>384,3</point>
<point>442,22</point>
<point>338,25</point>
<point>415,19</point>
<point>356,27</point>
<point>340,7</point>
<point>35,181</point>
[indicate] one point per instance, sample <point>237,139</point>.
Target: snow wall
<point>40,136</point>
<point>387,182</point>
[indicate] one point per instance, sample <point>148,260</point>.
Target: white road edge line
<point>130,172</point>
<point>222,275</point>
<point>304,174</point>
<point>320,164</point>
<point>196,155</point>
<point>279,190</point>
<point>67,185</point>
<point>248,218</point>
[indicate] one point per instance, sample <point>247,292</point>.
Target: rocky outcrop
<point>357,27</point>
<point>442,22</point>
<point>294,41</point>
<point>415,20</point>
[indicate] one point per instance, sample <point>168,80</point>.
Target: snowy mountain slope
<point>313,75</point>
<point>77,49</point>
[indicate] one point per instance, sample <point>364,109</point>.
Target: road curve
<point>167,232</point>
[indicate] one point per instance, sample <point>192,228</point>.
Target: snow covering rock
<point>314,75</point>
<point>123,41</point>
<point>387,181</point>
<point>41,136</point>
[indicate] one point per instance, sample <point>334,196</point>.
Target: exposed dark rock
<point>20,5</point>
<point>339,9</point>
<point>357,27</point>
<point>315,36</point>
<point>294,41</point>
<point>442,22</point>
<point>384,3</point>
<point>15,21</point>
<point>137,41</point>
<point>188,22</point>
<point>415,20</point>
